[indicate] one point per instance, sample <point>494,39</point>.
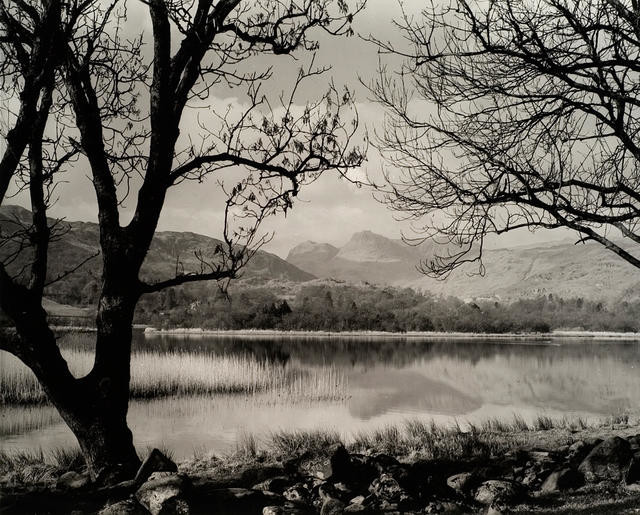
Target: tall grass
<point>155,374</point>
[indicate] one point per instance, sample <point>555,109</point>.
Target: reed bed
<point>155,374</point>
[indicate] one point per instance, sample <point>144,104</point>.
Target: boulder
<point>461,483</point>
<point>632,474</point>
<point>577,451</point>
<point>297,493</point>
<point>162,494</point>
<point>72,480</point>
<point>560,480</point>
<point>287,509</point>
<point>155,462</point>
<point>276,484</point>
<point>337,466</point>
<point>127,507</point>
<point>387,488</point>
<point>609,460</point>
<point>332,507</point>
<point>498,491</point>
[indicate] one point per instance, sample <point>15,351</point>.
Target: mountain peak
<point>306,250</point>
<point>372,247</point>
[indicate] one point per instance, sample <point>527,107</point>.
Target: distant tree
<point>77,86</point>
<point>512,114</point>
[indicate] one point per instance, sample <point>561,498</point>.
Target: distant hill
<point>367,256</point>
<point>168,250</point>
<point>564,269</point>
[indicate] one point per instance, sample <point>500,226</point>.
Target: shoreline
<point>151,332</point>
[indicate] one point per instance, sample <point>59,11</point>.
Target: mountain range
<point>560,268</point>
<point>169,251</point>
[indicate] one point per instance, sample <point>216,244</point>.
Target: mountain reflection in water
<point>389,380</point>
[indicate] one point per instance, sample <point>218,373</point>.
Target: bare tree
<point>509,114</point>
<point>88,93</point>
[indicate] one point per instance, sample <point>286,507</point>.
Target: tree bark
<point>95,406</point>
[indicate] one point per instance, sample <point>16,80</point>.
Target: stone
<point>127,507</point>
<point>337,466</point>
<point>155,462</point>
<point>276,484</point>
<point>564,479</point>
<point>577,451</point>
<point>498,491</point>
<point>161,494</point>
<point>609,460</point>
<point>332,507</point>
<point>285,510</point>
<point>386,487</point>
<point>297,493</point>
<point>461,483</point>
<point>634,442</point>
<point>632,474</point>
<point>72,480</point>
<point>355,508</point>
<point>359,499</point>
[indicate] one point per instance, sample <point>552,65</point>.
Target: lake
<point>260,385</point>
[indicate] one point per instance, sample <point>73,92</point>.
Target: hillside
<point>366,257</point>
<point>167,250</point>
<point>563,269</point>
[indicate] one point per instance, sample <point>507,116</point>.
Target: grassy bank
<point>155,374</point>
<point>413,440</point>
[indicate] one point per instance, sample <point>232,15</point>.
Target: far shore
<point>151,332</point>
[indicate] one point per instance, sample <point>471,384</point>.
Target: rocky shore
<point>579,473</point>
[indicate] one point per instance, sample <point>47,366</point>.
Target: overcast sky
<point>330,210</point>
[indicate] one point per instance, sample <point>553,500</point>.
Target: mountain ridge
<point>558,268</point>
<point>169,251</point>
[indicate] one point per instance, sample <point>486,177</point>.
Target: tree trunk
<point>103,433</point>
<point>95,406</point>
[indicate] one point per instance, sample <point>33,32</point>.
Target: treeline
<point>333,306</point>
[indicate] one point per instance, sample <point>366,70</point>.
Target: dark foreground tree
<point>516,113</point>
<point>80,89</point>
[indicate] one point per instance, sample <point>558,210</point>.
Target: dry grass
<point>155,374</point>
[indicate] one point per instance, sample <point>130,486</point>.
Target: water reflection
<point>389,380</point>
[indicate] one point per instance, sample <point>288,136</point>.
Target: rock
<point>128,507</point>
<point>461,483</point>
<point>355,508</point>
<point>577,451</point>
<point>337,466</point>
<point>297,493</point>
<point>72,480</point>
<point>358,499</point>
<point>155,462</point>
<point>162,493</point>
<point>386,487</point>
<point>634,442</point>
<point>498,491</point>
<point>609,460</point>
<point>332,507</point>
<point>632,474</point>
<point>561,480</point>
<point>276,484</point>
<point>285,510</point>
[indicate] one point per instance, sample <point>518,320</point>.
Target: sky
<point>329,210</point>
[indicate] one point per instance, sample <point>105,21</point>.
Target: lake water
<point>387,382</point>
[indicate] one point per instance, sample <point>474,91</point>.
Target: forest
<point>338,306</point>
